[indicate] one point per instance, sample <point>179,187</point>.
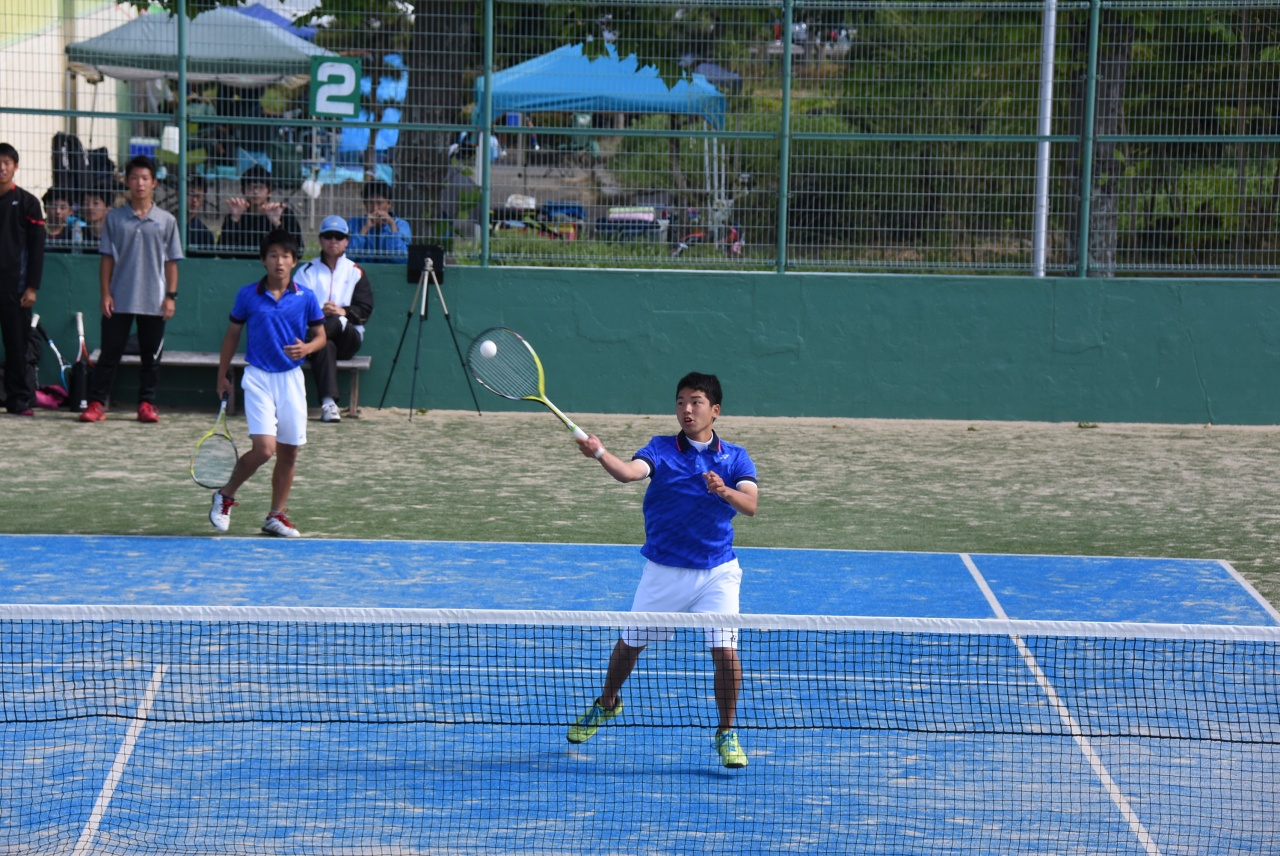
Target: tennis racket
<point>215,455</point>
<point>62,366</point>
<point>79,389</point>
<point>505,364</point>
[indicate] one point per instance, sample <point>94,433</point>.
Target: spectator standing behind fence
<point>250,217</point>
<point>94,205</point>
<point>60,221</point>
<point>379,236</point>
<point>200,239</point>
<point>21,268</point>
<point>138,277</point>
<point>347,302</point>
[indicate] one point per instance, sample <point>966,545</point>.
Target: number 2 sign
<point>335,87</point>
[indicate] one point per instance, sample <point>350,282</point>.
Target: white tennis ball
<point>488,349</point>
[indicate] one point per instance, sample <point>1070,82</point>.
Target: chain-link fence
<point>1083,137</point>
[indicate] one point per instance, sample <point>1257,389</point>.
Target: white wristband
<point>600,453</point>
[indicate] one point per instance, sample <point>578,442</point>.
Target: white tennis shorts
<point>275,404</point>
<point>666,589</point>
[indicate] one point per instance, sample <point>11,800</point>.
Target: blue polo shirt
<point>685,526</point>
<point>273,324</point>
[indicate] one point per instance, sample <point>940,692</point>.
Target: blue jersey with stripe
<point>272,323</point>
<point>685,525</point>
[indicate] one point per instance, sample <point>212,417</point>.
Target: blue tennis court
<point>364,736</point>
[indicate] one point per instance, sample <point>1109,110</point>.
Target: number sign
<point>335,87</point>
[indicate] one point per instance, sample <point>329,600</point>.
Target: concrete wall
<point>1119,350</point>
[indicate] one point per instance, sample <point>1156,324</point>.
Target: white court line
<point>112,781</point>
<point>1253,592</point>
<point>1064,713</point>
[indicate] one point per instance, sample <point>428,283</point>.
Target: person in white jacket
<point>347,300</point>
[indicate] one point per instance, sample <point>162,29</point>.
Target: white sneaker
<point>278,524</point>
<point>330,413</point>
<point>220,513</point>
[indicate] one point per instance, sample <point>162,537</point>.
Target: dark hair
<point>8,151</point>
<point>278,238</point>
<point>197,182</point>
<point>375,188</point>
<point>707,384</point>
<point>53,194</point>
<point>140,162</point>
<point>255,173</point>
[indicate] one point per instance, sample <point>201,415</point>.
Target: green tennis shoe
<point>589,723</point>
<point>731,754</point>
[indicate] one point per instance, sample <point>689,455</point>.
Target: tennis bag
<point>70,163</point>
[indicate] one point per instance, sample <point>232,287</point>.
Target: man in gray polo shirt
<point>138,275</point>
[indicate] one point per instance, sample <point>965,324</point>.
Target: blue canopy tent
<point>568,81</point>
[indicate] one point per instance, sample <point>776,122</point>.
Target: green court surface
<point>1202,492</point>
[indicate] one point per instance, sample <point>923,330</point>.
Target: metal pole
<point>1048,45</point>
<point>71,90</point>
<point>482,146</point>
<point>784,147</point>
<point>1086,138</point>
<point>181,119</point>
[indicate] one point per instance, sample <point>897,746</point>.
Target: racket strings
<point>213,461</point>
<point>511,372</point>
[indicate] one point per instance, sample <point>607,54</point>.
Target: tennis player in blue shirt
<point>698,484</point>
<point>280,314</point>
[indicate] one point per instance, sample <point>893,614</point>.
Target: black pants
<point>15,327</point>
<point>115,334</point>
<point>343,344</point>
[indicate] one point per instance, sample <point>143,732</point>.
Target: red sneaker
<point>93,413</point>
<point>147,412</point>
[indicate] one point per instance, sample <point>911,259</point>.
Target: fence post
<point>184,218</point>
<point>485,109</point>
<point>784,147</point>
<point>1086,139</point>
<point>1044,127</point>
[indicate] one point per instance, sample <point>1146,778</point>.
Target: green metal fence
<point>1083,137</point>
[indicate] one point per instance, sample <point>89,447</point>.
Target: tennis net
<point>149,730</point>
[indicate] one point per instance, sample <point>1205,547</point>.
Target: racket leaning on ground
<point>505,364</point>
<point>62,366</point>
<point>79,389</point>
<point>215,456</point>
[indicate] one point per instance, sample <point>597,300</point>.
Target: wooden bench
<point>209,360</point>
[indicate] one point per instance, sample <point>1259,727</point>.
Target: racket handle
<point>579,434</point>
<point>80,324</point>
<point>35,320</point>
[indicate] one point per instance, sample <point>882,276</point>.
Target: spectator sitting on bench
<point>250,217</point>
<point>380,236</point>
<point>346,298</point>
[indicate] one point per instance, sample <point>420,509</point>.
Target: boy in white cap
<point>347,301</point>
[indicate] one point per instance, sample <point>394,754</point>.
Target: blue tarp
<point>566,80</point>
<point>262,13</point>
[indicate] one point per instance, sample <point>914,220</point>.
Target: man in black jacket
<point>251,216</point>
<point>22,237</point>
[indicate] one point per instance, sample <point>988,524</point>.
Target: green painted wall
<point>1119,350</point>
